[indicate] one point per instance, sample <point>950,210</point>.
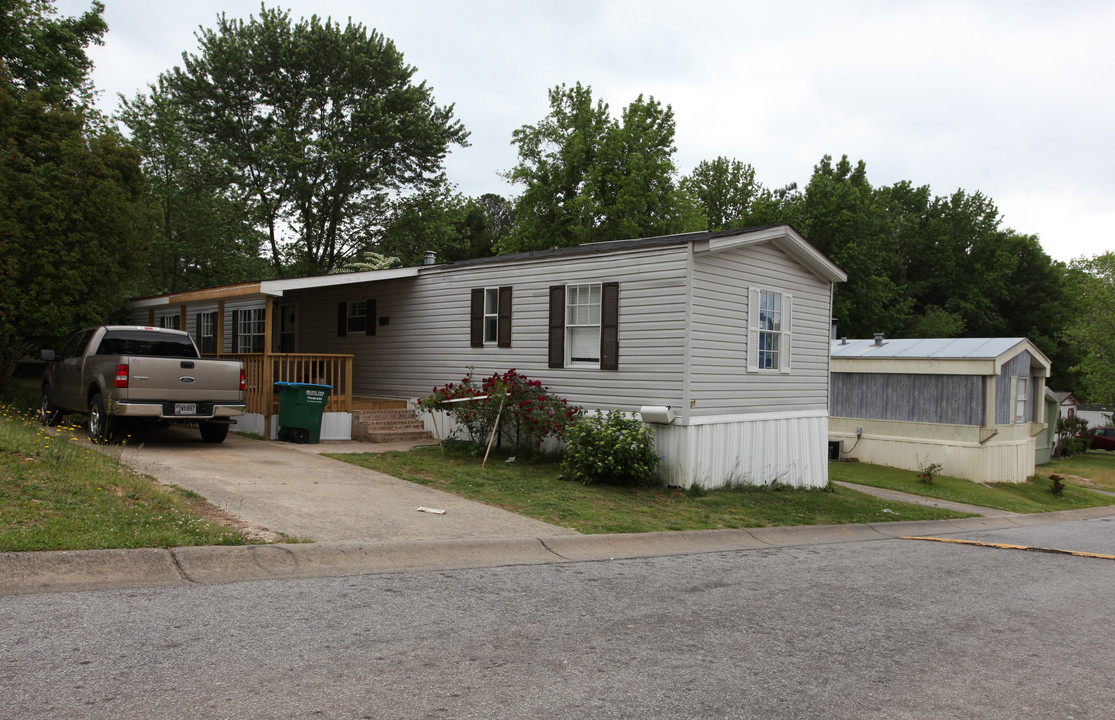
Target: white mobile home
<point>974,406</point>
<point>728,330</point>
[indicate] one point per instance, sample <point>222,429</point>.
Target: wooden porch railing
<point>259,385</point>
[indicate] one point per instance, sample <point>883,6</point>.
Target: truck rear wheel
<point>99,424</point>
<point>213,432</point>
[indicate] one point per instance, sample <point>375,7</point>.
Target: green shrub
<point>1067,431</point>
<point>609,448</point>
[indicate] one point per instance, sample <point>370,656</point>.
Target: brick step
<point>390,422</point>
<point>385,415</point>
<point>391,425</point>
<point>398,436</point>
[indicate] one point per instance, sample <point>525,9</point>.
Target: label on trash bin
<point>316,397</point>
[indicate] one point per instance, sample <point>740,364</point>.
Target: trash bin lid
<point>302,385</point>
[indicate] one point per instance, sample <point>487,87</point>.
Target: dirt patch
<point>251,532</point>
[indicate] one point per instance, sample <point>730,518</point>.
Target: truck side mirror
<point>48,355</point>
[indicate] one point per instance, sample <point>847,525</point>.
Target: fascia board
<point>915,366</point>
<point>1025,346</point>
<point>787,240</point>
<point>278,287</point>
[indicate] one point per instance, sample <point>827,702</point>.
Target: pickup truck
<point>123,372</point>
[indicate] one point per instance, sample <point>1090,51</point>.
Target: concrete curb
<point>214,565</point>
<point>23,573</point>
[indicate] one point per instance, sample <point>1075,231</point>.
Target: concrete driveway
<point>292,489</point>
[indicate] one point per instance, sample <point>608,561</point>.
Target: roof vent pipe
<point>843,341</point>
<point>878,339</point>
<point>431,258</point>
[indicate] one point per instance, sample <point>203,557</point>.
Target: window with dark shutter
<point>557,326</point>
<point>476,318</point>
<point>609,327</point>
<point>503,334</point>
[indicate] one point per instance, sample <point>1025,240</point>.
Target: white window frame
<point>491,316</point>
<point>208,331</point>
<point>765,321</point>
<point>252,326</point>
<point>1020,398</point>
<point>583,323</point>
<point>357,318</point>
<point>170,321</point>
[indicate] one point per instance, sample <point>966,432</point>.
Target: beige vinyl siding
<point>720,383</point>
<point>426,340</point>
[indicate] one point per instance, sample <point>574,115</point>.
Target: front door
<point>288,328</point>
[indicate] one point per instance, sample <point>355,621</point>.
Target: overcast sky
<point>1014,98</point>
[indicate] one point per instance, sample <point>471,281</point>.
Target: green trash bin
<point>300,408</point>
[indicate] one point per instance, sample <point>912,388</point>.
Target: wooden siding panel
<point>1004,403</point>
<point>947,399</point>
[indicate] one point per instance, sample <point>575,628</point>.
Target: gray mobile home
<point>725,335</point>
<point>972,405</point>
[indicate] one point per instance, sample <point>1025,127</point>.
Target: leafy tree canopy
<point>43,53</point>
<point>590,177</point>
<point>205,235</point>
<point>321,126</point>
<point>1091,283</point>
<point>73,229</point>
<point>725,190</point>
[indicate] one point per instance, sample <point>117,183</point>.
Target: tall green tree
<point>44,53</point>
<point>323,127</point>
<point>725,190</point>
<point>73,228</point>
<point>204,235</point>
<point>1090,286</point>
<point>432,220</point>
<point>557,157</point>
<point>841,216</point>
<point>589,176</point>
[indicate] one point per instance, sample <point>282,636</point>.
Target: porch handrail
<point>318,368</point>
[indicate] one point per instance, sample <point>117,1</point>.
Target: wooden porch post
<point>182,322</point>
<point>150,316</point>
<point>268,369</point>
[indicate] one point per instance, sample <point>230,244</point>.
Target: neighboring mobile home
<point>973,406</point>
<point>723,337</point>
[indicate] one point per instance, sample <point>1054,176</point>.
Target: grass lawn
<point>1032,496</point>
<point>534,489</point>
<point>61,495</point>
<point>1093,469</point>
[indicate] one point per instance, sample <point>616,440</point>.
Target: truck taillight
<point>122,375</point>
<point>242,386</point>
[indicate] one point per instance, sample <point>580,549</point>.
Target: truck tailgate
<point>181,380</point>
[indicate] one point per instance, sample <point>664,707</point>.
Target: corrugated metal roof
<point>926,348</point>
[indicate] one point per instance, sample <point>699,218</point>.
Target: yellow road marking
<point>1005,546</point>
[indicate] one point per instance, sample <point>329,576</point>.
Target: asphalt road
<point>881,629</point>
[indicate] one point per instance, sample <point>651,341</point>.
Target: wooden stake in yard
<point>493,435</point>
<point>437,431</point>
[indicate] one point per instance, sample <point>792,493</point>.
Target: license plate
<point>185,408</point>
